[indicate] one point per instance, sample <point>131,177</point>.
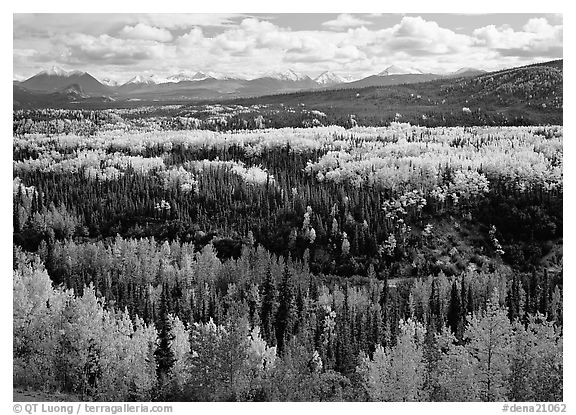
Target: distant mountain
<point>207,85</point>
<point>109,82</point>
<point>71,96</point>
<point>281,83</point>
<point>392,79</point>
<point>396,75</point>
<point>208,88</point>
<point>56,71</point>
<point>82,87</point>
<point>182,77</point>
<point>529,95</point>
<point>287,75</point>
<point>142,80</point>
<point>396,70</point>
<point>227,77</point>
<point>214,86</point>
<point>330,78</point>
<point>74,91</point>
<point>57,79</point>
<point>467,72</point>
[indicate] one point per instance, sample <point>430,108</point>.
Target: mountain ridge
<point>54,79</point>
<point>210,88</point>
<point>396,70</point>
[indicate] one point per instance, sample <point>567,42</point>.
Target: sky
<point>120,46</point>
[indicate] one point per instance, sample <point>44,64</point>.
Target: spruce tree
<point>164,354</point>
<point>463,300</point>
<point>545,294</point>
<point>513,299</point>
<point>17,226</point>
<point>268,310</point>
<point>344,348</point>
<point>286,315</point>
<point>435,317</point>
<point>455,312</point>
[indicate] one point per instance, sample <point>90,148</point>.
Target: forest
<point>209,258</point>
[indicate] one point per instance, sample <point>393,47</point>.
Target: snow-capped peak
<point>200,76</point>
<point>108,82</point>
<point>224,76</point>
<point>56,71</point>
<point>183,76</point>
<point>329,78</point>
<point>288,75</point>
<point>143,79</point>
<point>396,70</point>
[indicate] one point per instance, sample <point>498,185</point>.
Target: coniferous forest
<point>328,263</point>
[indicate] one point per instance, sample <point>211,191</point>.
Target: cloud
<point>187,20</point>
<point>48,25</point>
<point>538,38</point>
<point>312,49</point>
<point>195,37</point>
<point>106,49</point>
<point>120,46</point>
<point>253,36</point>
<point>414,34</point>
<point>145,32</point>
<point>344,21</point>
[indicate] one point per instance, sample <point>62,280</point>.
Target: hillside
<point>524,95</point>
<point>69,97</point>
<point>527,95</point>
<point>393,79</point>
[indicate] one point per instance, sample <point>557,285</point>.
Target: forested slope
<point>291,264</point>
<point>530,95</point>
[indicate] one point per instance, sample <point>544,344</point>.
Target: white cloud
<point>540,26</point>
<point>186,20</point>
<point>124,45</point>
<point>537,38</point>
<point>426,37</point>
<point>195,37</point>
<point>107,49</point>
<point>145,32</point>
<point>344,21</point>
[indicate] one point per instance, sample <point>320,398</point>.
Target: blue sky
<point>119,46</point>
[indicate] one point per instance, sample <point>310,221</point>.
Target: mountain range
<point>526,95</point>
<point>56,79</point>
<point>203,85</point>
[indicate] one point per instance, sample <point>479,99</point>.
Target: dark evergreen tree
<point>164,354</point>
<point>286,315</point>
<point>455,312</point>
<point>469,301</point>
<point>345,362</point>
<point>16,218</point>
<point>513,299</point>
<point>435,318</point>
<point>269,307</point>
<point>545,294</point>
<point>463,298</point>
